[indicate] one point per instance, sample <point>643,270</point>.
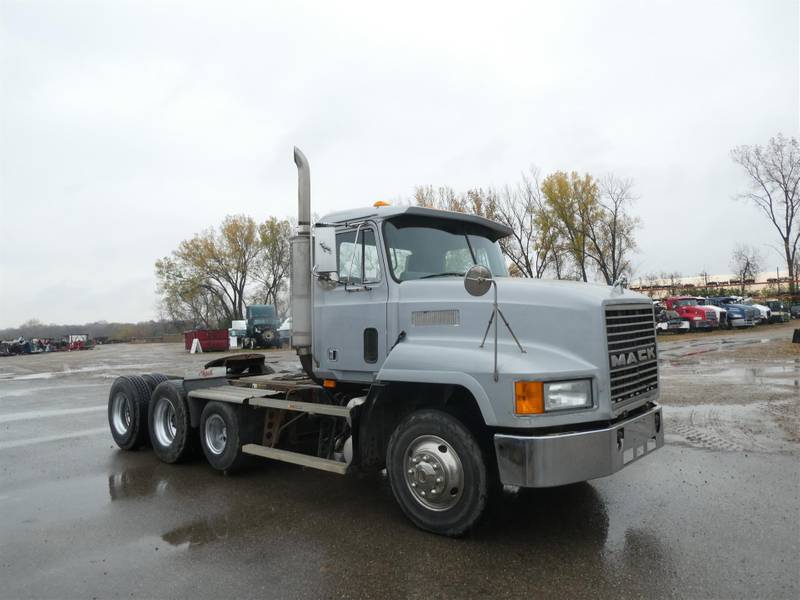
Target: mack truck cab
<point>423,358</point>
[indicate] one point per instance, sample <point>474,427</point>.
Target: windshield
<point>425,248</point>
<point>687,302</point>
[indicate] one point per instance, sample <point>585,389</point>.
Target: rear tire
<point>222,435</point>
<point>438,472</point>
<point>153,379</point>
<point>127,412</point>
<point>168,417</point>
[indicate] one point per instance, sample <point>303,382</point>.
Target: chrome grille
<point>632,353</point>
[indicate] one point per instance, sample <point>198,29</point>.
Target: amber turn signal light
<point>329,383</point>
<point>528,397</point>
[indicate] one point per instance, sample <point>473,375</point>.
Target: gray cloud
<point>127,127</point>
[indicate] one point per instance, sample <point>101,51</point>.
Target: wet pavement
<point>715,513</point>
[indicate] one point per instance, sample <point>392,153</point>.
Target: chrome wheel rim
<point>433,473</point>
<point>164,421</point>
<point>216,434</point>
<point>121,413</point>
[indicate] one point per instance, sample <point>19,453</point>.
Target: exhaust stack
<point>301,265</point>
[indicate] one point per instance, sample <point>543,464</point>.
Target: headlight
<point>567,394</point>
<point>536,397</point>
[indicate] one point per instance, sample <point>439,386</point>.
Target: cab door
<point>350,315</point>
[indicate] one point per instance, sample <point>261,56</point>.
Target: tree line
<point>124,332</point>
<point>773,177</point>
<point>773,174</point>
<point>210,279</point>
<point>566,225</point>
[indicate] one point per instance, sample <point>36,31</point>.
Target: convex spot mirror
<point>477,280</point>
<point>325,250</point>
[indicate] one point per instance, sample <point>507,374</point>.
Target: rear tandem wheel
<point>128,400</point>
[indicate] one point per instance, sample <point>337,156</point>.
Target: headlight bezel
<point>537,397</point>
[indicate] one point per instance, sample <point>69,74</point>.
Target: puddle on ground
<point>779,375</point>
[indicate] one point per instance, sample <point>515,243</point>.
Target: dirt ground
<point>739,391</point>
<point>713,514</point>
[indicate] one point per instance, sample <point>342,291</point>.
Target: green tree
<point>571,204</point>
<point>212,270</point>
<point>272,267</point>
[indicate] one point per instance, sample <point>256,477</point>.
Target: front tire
<point>438,472</point>
<point>168,417</point>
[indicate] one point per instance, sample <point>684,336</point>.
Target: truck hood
<point>561,319</point>
<point>538,292</point>
<point>560,325</point>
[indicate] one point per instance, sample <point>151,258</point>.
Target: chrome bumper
<point>562,458</point>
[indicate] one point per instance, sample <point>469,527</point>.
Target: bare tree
<point>745,263</point>
<point>651,279</point>
<point>531,245</point>
<point>774,173</point>
<point>443,198</point>
<point>610,233</point>
<point>672,280</point>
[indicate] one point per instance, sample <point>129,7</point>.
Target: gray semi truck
<point>421,356</point>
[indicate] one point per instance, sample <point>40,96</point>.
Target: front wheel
<point>437,472</point>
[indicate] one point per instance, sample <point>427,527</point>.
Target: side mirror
<point>325,250</point>
<point>477,280</point>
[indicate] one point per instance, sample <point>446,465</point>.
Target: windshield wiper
<point>448,274</point>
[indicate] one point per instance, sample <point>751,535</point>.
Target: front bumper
<point>737,322</point>
<point>704,324</point>
<point>562,458</point>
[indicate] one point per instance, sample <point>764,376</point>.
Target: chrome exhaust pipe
<point>301,263</point>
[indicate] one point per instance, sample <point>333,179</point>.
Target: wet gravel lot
<point>716,513</point>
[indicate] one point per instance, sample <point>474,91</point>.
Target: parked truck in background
<point>764,313</point>
<point>739,315</point>
<point>722,314</point>
<point>688,308</point>
<point>422,357</point>
<point>779,311</point>
<point>262,326</point>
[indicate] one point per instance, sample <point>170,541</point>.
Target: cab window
<point>359,262</point>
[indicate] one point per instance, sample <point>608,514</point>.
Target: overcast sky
<point>129,126</point>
